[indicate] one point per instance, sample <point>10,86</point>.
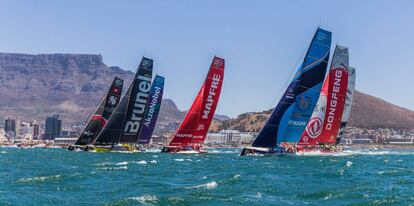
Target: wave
<point>378,152</point>
<point>142,162</point>
<point>114,168</point>
<point>356,152</point>
<point>39,179</point>
<point>145,199</point>
<point>121,163</point>
<point>209,185</point>
<point>223,151</point>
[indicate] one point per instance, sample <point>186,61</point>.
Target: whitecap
<point>153,162</point>
<point>179,160</point>
<point>209,185</point>
<point>39,179</point>
<point>237,176</point>
<point>142,162</point>
<point>190,160</point>
<point>3,152</point>
<point>348,163</point>
<point>145,198</point>
<point>121,163</point>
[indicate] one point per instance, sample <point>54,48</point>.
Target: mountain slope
<point>34,86</point>
<point>367,112</point>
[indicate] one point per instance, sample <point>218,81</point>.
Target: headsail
<point>289,118</point>
<point>348,102</point>
<point>153,108</point>
<point>124,124</point>
<point>193,129</point>
<point>314,127</point>
<point>324,124</point>
<point>102,113</point>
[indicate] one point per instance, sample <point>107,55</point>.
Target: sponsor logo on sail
<point>112,100</point>
<point>132,125</point>
<point>297,123</point>
<point>200,127</point>
<point>118,82</point>
<point>217,62</point>
<point>210,99</point>
<point>303,103</point>
<point>184,135</point>
<point>314,127</point>
<point>334,99</point>
<point>152,106</point>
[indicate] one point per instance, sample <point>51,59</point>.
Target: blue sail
<point>289,118</point>
<point>153,108</point>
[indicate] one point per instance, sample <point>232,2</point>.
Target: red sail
<point>338,84</point>
<point>193,129</point>
<point>313,130</point>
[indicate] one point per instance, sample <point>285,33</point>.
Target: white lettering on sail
<point>334,100</point>
<point>211,94</point>
<point>153,104</point>
<point>132,125</point>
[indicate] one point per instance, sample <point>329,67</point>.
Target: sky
<point>261,41</point>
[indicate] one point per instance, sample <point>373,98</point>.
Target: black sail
<point>113,131</point>
<point>138,103</point>
<point>102,113</point>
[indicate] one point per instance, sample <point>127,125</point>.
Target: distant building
<point>65,140</point>
<point>229,137</point>
<point>3,135</point>
<point>53,127</point>
<point>12,127</point>
<point>26,131</point>
<point>36,129</point>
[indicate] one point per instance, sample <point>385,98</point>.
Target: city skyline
<point>261,42</point>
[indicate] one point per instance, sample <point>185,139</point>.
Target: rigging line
<point>289,79</point>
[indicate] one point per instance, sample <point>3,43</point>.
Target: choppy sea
<point>58,177</point>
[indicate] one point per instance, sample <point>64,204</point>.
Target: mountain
<point>367,112</point>
<point>35,86</point>
<point>370,112</point>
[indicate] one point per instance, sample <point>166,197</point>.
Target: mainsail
<point>289,118</point>
<point>102,113</point>
<point>193,129</point>
<point>324,124</point>
<point>348,102</point>
<point>126,120</point>
<point>153,108</point>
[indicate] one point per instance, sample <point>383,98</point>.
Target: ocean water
<point>59,177</point>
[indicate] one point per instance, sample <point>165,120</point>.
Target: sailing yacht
<point>288,120</point>
<point>190,135</point>
<point>320,134</point>
<point>98,120</point>
<point>123,129</point>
